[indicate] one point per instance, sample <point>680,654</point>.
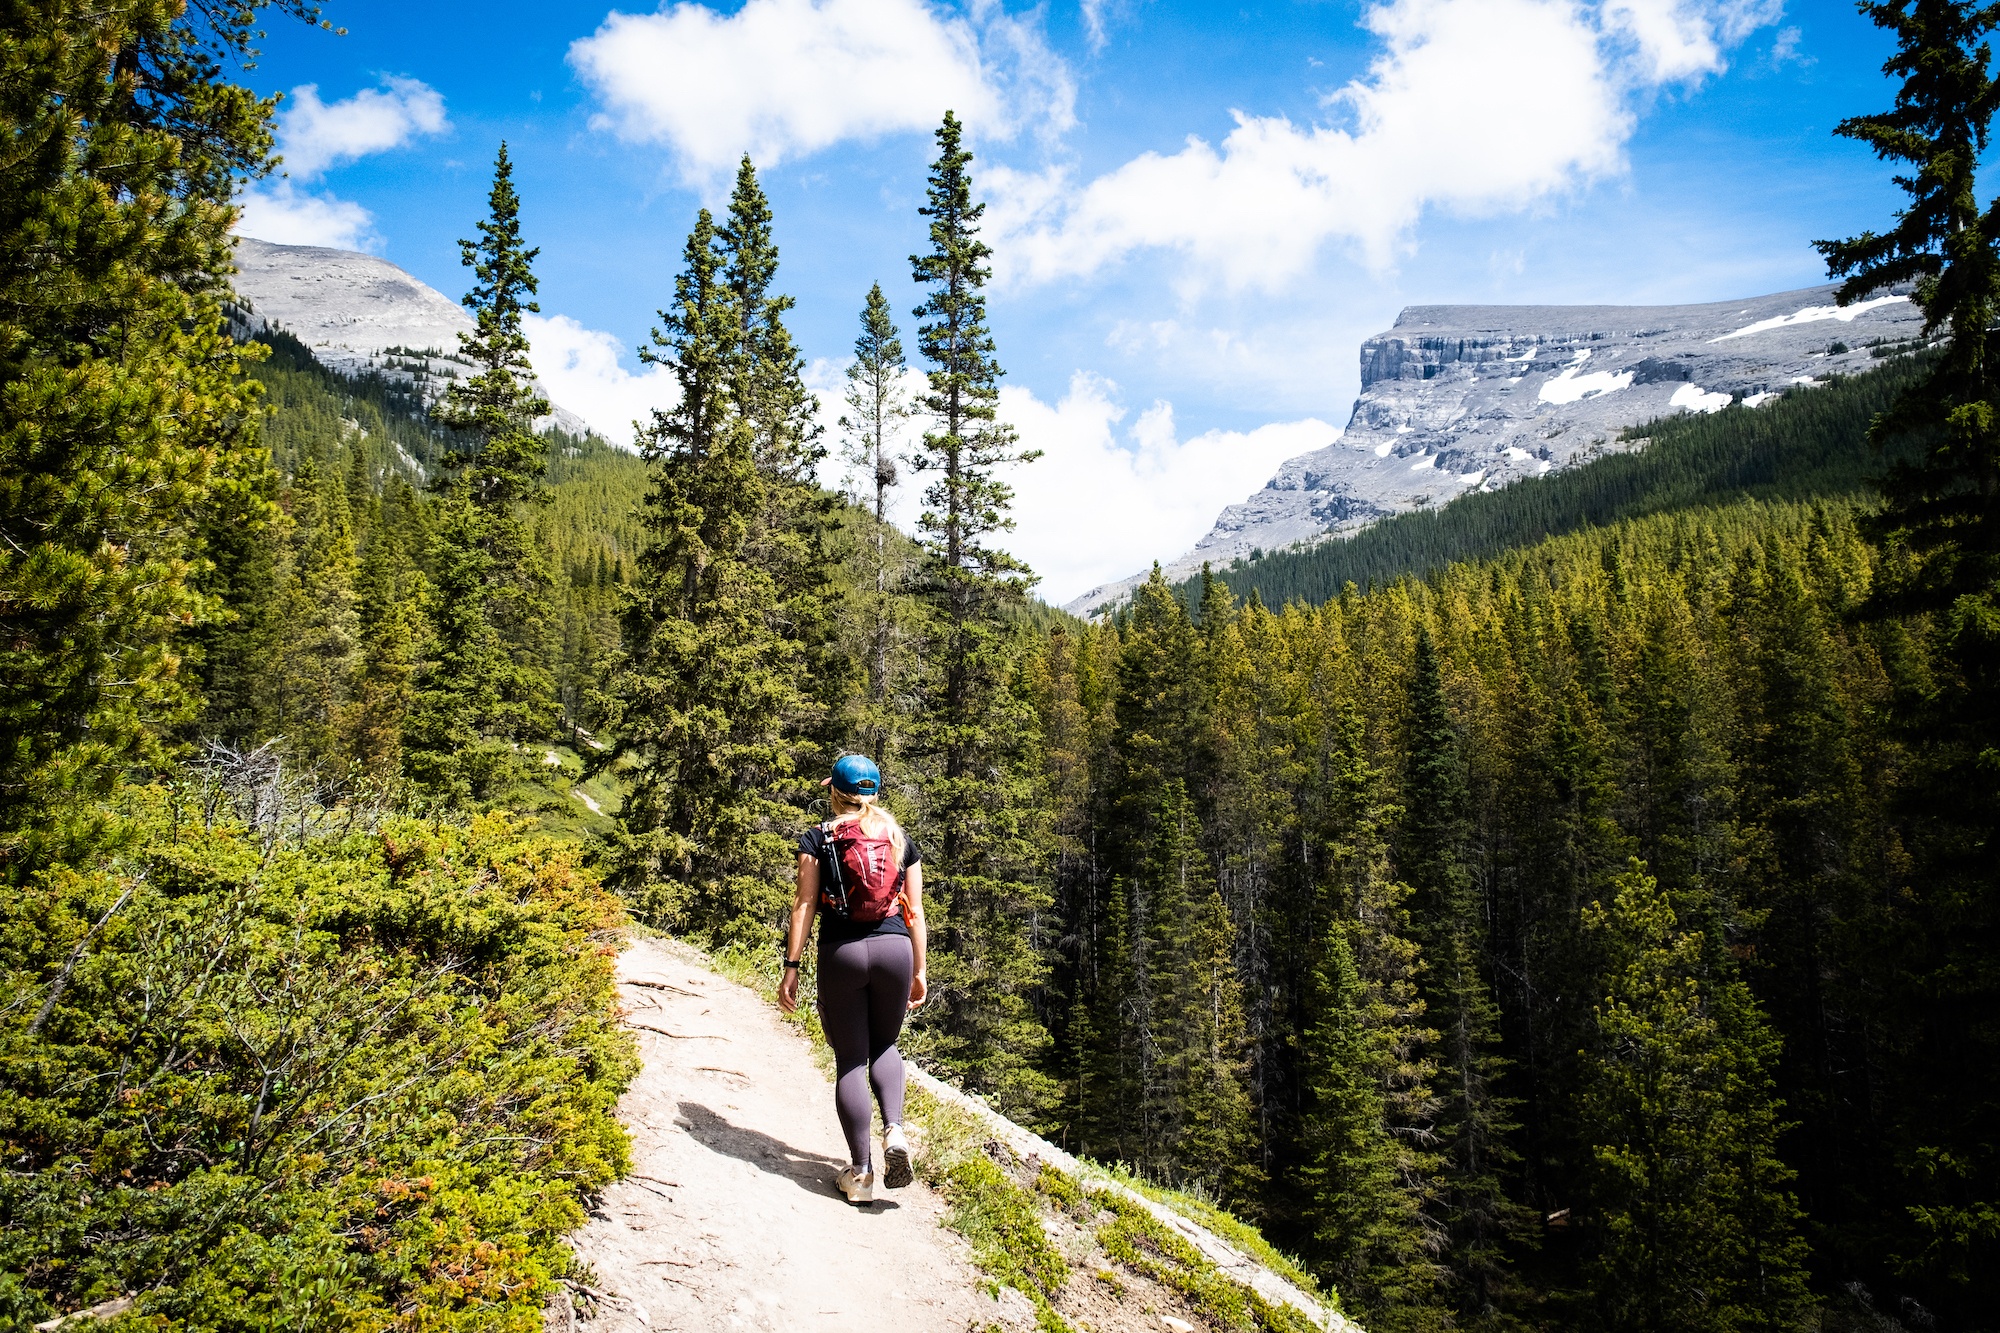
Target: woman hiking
<point>862,876</point>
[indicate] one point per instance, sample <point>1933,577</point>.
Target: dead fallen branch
<point>661,985</point>
<point>680,1036</point>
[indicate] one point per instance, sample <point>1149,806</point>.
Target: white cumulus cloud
<point>579,368</point>
<point>1103,502</point>
<point>315,135</point>
<point>1105,498</point>
<point>285,215</point>
<point>785,78</point>
<point>1473,106</point>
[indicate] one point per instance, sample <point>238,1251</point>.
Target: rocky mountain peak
<point>361,315</point>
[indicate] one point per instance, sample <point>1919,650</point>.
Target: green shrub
<point>358,1082</point>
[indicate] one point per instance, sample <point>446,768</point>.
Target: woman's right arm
<point>920,932</point>
<point>805,905</point>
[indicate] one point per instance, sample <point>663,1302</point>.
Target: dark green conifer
<point>315,659</point>
<point>706,683</point>
<point>968,735</point>
<point>392,594</point>
<point>491,687</point>
<point>1941,522</point>
<point>124,401</point>
<point>1448,916</point>
<point>1368,1141</point>
<point>1694,1229</point>
<point>767,390</point>
<point>1193,1108</point>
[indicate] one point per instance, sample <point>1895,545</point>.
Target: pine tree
<point>877,403</point>
<point>1947,505</point>
<point>705,683</point>
<point>233,648</point>
<point>319,652</point>
<point>1432,845</point>
<point>1369,1140</point>
<point>124,401</point>
<point>876,408</point>
<point>1111,1080</point>
<point>1693,1225</point>
<point>1942,522</point>
<point>769,386</point>
<point>1362,1223</point>
<point>768,392</point>
<point>393,593</point>
<point>1193,1107</point>
<point>968,740</point>
<point>491,687</point>
<point>1160,708</point>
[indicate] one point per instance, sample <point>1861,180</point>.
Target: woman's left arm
<point>913,915</point>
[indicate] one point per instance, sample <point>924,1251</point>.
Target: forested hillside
<point>327,596</point>
<point>1524,939</point>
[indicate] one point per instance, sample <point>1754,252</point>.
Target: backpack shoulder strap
<point>836,893</point>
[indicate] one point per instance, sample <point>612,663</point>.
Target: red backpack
<point>861,878</point>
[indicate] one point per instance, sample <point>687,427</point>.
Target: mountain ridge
<point>1460,399</point>
<point>362,315</point>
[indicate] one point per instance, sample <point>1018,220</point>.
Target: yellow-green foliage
<point>1005,1228</point>
<point>1137,1239</point>
<point>1228,1227</point>
<point>355,1083</point>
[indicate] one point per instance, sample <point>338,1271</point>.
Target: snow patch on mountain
<point>1812,314</point>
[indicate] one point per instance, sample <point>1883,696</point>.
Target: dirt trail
<point>730,1219</point>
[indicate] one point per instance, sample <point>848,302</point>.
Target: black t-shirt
<point>837,929</point>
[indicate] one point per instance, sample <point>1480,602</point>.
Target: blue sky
<point>1199,210</point>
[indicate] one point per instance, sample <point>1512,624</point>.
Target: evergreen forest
<point>1573,909</point>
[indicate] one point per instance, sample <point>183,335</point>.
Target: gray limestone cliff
<point>1456,399</point>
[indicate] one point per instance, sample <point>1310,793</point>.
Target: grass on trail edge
<point>1206,1213</point>
<point>1001,1218</point>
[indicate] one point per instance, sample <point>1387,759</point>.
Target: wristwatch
<point>791,962</point>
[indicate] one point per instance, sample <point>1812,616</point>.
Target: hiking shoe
<point>896,1171</point>
<point>857,1183</point>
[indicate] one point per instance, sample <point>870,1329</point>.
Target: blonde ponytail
<point>875,821</point>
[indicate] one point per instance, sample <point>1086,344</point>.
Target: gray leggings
<point>864,991</point>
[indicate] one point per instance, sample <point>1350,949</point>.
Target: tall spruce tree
<point>1194,1109</point>
<point>1369,1143</point>
<point>1157,717</point>
<point>393,593</point>
<point>877,405</point>
<point>123,403</point>
<point>490,686</point>
<point>1692,1224</point>
<point>705,684</point>
<point>1942,517</point>
<point>1447,915</point>
<point>316,658</point>
<point>968,739</point>
<point>768,392</point>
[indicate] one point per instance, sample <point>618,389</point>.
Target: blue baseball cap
<point>856,775</point>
